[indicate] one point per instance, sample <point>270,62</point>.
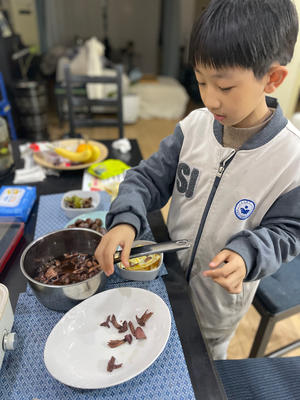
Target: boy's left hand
<point>231,275</point>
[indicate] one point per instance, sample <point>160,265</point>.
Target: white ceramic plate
<point>92,215</point>
<point>76,352</point>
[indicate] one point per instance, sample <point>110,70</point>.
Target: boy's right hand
<point>121,235</point>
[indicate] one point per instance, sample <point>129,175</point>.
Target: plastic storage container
<point>8,339</point>
<point>16,202</point>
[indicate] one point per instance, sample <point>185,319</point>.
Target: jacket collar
<point>273,127</point>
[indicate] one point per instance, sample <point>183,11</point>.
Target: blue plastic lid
<point>16,202</point>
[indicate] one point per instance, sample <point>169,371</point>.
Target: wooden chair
<point>277,298</point>
<point>73,101</point>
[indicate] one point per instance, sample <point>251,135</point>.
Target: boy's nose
<point>210,99</point>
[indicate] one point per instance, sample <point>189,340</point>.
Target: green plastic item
<point>108,168</point>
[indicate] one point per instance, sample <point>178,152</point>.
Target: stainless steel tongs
<point>163,247</point>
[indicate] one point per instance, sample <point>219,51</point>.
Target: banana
<point>95,153</point>
<point>78,157</point>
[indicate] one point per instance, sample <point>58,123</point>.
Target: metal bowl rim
<point>28,247</point>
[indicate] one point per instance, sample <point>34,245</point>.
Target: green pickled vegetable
<point>78,202</point>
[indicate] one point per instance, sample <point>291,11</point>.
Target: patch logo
<point>244,208</point>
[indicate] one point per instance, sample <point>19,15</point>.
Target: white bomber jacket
<point>247,201</point>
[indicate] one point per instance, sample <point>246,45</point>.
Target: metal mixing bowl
<point>55,244</point>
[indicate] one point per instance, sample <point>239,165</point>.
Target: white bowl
<point>140,275</point>
<point>74,212</point>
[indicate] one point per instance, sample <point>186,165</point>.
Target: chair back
<point>74,100</point>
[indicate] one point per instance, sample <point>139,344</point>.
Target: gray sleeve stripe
<point>148,186</point>
<point>286,206</point>
<point>275,241</point>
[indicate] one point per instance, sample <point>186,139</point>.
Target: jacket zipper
<point>222,167</point>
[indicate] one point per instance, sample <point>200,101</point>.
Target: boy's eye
<point>201,83</point>
<point>226,89</point>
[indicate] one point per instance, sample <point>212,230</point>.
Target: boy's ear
<point>275,77</point>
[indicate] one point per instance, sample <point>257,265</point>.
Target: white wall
<point>136,20</point>
<point>67,18</point>
<point>24,24</point>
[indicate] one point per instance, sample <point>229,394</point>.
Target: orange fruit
<point>83,146</point>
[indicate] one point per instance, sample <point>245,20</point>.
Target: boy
<point>231,168</point>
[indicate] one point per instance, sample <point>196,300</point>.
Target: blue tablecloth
<point>24,375</point>
<point>51,217</point>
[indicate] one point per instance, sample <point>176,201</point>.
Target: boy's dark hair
<point>245,33</point>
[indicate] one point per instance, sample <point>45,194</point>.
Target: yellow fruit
<point>95,153</point>
<point>95,150</point>
<point>78,157</point>
<point>84,146</point>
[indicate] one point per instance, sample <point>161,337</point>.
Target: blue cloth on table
<point>24,375</point>
<point>51,217</point>
<point>281,291</point>
<point>261,378</point>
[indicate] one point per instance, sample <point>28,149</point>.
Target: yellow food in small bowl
<point>144,263</point>
<point>143,268</point>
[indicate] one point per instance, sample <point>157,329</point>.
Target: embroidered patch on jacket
<point>244,208</point>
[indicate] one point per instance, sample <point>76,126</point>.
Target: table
<point>205,380</point>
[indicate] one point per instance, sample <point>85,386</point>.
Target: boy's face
<point>234,95</point>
